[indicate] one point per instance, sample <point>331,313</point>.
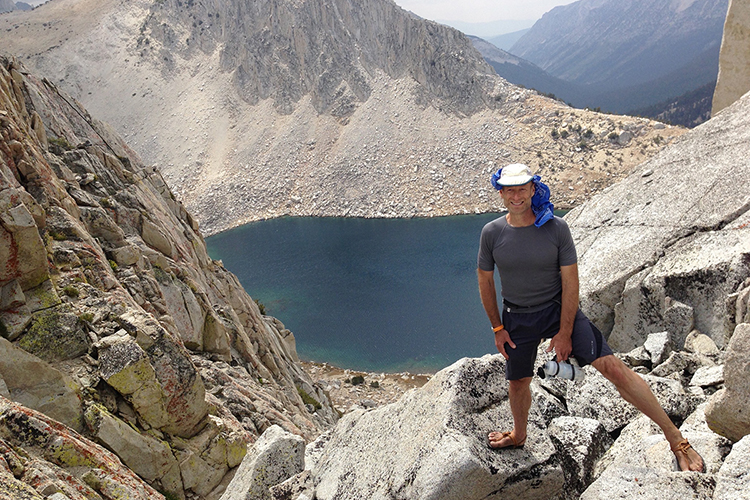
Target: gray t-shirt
<point>528,258</point>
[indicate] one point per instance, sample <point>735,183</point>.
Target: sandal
<point>682,449</point>
<point>515,444</point>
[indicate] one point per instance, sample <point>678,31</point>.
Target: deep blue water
<point>368,294</point>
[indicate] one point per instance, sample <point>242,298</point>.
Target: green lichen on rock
<point>66,453</point>
<point>44,295</point>
<point>55,335</point>
<point>236,449</point>
<point>10,487</point>
<point>93,416</point>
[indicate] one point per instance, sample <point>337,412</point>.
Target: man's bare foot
<point>500,440</point>
<point>687,458</point>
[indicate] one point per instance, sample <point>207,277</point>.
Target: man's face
<point>517,199</point>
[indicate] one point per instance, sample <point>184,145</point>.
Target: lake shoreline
<point>376,389</point>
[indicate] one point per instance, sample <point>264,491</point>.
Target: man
<point>537,264</point>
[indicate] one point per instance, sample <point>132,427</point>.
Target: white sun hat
<point>515,174</point>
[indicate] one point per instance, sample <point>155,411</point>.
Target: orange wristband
<point>498,328</point>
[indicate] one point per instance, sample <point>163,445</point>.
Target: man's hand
<point>562,345</point>
<point>502,337</point>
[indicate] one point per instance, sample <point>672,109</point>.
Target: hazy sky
<point>480,11</point>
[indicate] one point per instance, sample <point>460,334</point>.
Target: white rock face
<point>728,411</point>
<point>581,442</point>
<point>275,457</point>
<point>641,465</point>
<point>733,480</point>
<point>432,444</point>
<point>734,59</point>
<point>671,237</point>
<point>38,385</point>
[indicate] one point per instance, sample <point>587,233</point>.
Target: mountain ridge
<point>567,41</point>
<point>237,148</point>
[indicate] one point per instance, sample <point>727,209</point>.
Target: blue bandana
<point>540,204</point>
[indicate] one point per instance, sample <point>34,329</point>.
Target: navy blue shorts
<point>528,329</point>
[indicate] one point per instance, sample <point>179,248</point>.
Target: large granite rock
<point>641,465</point>
<point>160,382</point>
<point>675,231</point>
<point>734,60</point>
<point>433,444</point>
<point>728,411</point>
<point>274,458</point>
<point>39,385</point>
<point>580,442</point>
<point>149,458</point>
<point>733,479</point>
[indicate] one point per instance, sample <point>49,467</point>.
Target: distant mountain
<point>617,56</point>
<point>10,5</point>
<point>689,110</point>
<point>524,73</point>
<point>620,43</point>
<point>7,6</point>
<point>507,40</point>
<point>491,29</point>
<point>675,91</point>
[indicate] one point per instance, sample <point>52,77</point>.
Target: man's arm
<point>561,342</point>
<point>488,295</point>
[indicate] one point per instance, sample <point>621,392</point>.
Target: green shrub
<point>71,291</point>
<point>564,133</point>
<point>358,379</point>
<point>57,235</point>
<point>261,307</point>
<point>168,495</point>
<point>309,400</point>
<point>374,384</point>
<point>555,133</point>
<point>86,317</point>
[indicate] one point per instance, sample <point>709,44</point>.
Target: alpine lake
<point>378,295</point>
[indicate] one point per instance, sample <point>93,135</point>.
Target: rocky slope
<point>316,107</point>
<point>116,323</point>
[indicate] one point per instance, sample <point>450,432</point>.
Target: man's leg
<point>519,394</point>
<point>636,391</point>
